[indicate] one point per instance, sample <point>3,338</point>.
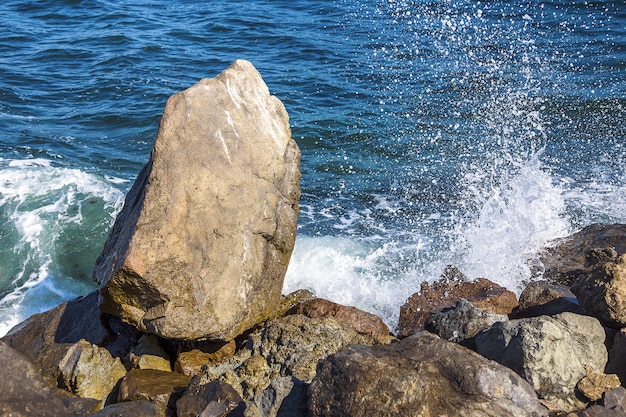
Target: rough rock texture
<point>462,322</point>
<point>595,384</point>
<point>202,244</point>
<point>45,338</point>
<point>190,362</point>
<point>565,259</point>
<point>545,299</point>
<point>431,299</point>
<point>284,397</point>
<point>159,387</point>
<point>23,391</point>
<point>90,371</point>
<point>359,320</point>
<point>422,375</point>
<point>601,289</point>
<point>551,353</point>
<point>289,347</point>
<point>214,399</point>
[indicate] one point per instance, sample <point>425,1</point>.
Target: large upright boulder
<point>202,244</point>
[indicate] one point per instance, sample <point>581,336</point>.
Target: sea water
<point>436,132</point>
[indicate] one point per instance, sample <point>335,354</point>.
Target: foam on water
<point>53,223</point>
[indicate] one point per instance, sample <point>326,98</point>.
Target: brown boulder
<point>433,298</point>
<point>361,321</point>
<point>215,399</point>
<point>201,247</point>
<point>161,388</point>
<point>421,375</point>
<point>23,391</point>
<point>545,299</point>
<point>565,258</point>
<point>601,290</point>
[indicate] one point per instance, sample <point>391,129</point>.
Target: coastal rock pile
<point>189,319</point>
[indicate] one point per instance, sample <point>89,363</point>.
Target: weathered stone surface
<point>148,354</point>
<point>421,375</point>
<point>284,397</point>
<point>545,299</point>
<point>431,299</point>
<point>551,353</point>
<point>617,356</point>
<point>23,391</point>
<point>290,347</point>
<point>615,399</point>
<point>90,371</point>
<point>141,408</point>
<point>565,258</point>
<point>462,322</point>
<point>45,338</point>
<point>202,244</point>
<point>190,362</point>
<point>595,384</point>
<point>215,399</point>
<point>601,290</point>
<point>158,387</point>
<point>359,320</point>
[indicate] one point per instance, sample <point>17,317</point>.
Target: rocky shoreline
<point>188,319</point>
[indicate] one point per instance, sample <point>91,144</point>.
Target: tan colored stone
<point>191,362</point>
<point>595,384</point>
<point>201,247</point>
<point>90,371</point>
<point>152,385</point>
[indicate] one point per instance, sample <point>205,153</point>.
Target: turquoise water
<point>432,132</point>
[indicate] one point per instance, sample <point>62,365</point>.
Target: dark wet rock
<point>433,298</point>
<point>551,353</point>
<point>46,337</point>
<point>617,356</point>
<point>215,399</point>
<point>23,391</point>
<point>601,290</point>
<point>131,409</point>
<point>421,375</point>
<point>545,299</point>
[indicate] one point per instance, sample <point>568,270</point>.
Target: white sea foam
<point>53,221</point>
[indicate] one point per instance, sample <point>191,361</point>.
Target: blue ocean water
<point>432,132</point>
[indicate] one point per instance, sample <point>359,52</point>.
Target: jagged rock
<point>289,346</point>
<point>90,371</point>
<point>148,354</point>
<point>431,299</point>
<point>284,397</point>
<point>215,399</point>
<point>201,247</point>
<point>421,375</point>
<point>617,356</point>
<point>616,399</point>
<point>551,353</point>
<point>158,387</point>
<point>565,258</point>
<point>361,321</point>
<point>545,299</point>
<point>190,362</point>
<point>601,290</point>
<point>23,391</point>
<point>462,322</point>
<point>141,408</point>
<point>595,384</point>
<point>46,337</point>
